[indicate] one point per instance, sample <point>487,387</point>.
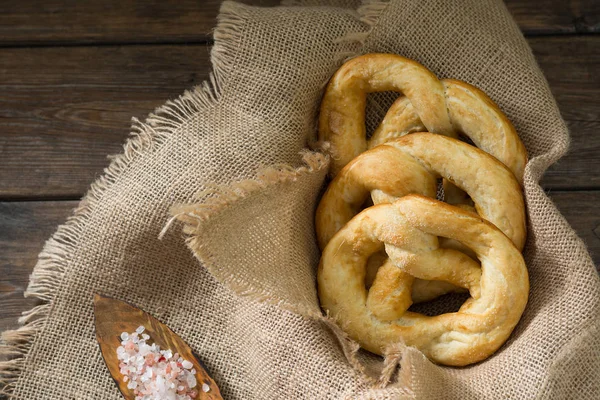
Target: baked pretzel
<point>445,107</point>
<point>411,164</point>
<point>408,228</point>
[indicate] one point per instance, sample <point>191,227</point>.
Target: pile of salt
<point>153,373</point>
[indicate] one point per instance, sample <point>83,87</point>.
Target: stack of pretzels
<point>388,243</point>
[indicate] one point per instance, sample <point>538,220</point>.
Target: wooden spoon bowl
<point>114,317</point>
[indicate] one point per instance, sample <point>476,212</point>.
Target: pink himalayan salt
<point>153,373</point>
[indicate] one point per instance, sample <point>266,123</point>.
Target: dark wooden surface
<point>73,73</point>
<point>75,22</point>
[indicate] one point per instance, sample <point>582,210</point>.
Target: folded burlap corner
<point>232,150</point>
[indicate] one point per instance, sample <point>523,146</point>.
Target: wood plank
<point>27,225</point>
<point>62,110</point>
<point>582,210</point>
<point>571,66</point>
<point>552,16</point>
<point>580,167</point>
<point>34,22</point>
<point>25,228</point>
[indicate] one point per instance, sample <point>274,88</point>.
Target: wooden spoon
<point>114,317</point>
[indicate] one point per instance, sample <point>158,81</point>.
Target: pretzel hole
<point>367,203</point>
<point>448,303</point>
<point>440,195</point>
<point>466,139</point>
<point>373,264</point>
<point>378,105</point>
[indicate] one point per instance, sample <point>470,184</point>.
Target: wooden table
<point>73,73</point>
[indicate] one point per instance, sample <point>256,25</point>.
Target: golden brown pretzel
<point>444,107</point>
<point>408,228</point>
<point>469,111</point>
<point>411,164</point>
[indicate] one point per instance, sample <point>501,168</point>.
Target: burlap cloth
<point>251,310</point>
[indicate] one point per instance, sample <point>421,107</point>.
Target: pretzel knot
<point>408,228</point>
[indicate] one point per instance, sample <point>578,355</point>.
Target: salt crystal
<point>172,378</point>
<point>160,383</point>
<point>205,387</point>
<point>191,381</point>
<point>140,329</point>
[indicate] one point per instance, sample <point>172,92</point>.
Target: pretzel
<point>408,228</point>
<point>411,164</point>
<point>445,107</point>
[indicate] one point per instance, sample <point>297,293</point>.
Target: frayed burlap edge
<point>211,202</point>
<point>368,13</point>
<point>216,198</point>
<point>46,278</point>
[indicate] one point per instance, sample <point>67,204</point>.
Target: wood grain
<point>582,210</point>
<point>551,16</point>
<point>571,66</point>
<point>580,167</point>
<point>24,228</point>
<point>64,109</point>
<point>32,22</point>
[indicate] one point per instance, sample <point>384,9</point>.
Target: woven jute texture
<point>232,151</point>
